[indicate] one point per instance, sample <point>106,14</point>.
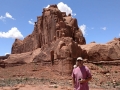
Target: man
<point>81,75</point>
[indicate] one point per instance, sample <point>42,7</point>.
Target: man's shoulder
<point>75,69</point>
<point>87,69</point>
<point>85,66</point>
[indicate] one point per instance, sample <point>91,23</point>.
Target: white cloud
<point>31,22</point>
<point>2,18</point>
<point>64,8</point>
<point>103,28</point>
<point>7,53</point>
<point>12,33</point>
<point>47,6</point>
<point>83,29</point>
<point>119,34</point>
<point>7,15</point>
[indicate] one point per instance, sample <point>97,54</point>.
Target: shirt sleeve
<point>88,72</point>
<point>73,75</point>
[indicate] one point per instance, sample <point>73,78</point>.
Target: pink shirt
<point>83,73</point>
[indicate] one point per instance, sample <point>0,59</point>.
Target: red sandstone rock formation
<point>57,41</point>
<point>4,57</point>
<point>103,52</point>
<point>60,54</point>
<point>52,24</point>
<point>57,35</point>
<point>23,58</point>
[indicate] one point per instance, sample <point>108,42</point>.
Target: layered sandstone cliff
<point>57,41</point>
<point>53,24</point>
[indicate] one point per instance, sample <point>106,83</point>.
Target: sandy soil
<point>34,77</point>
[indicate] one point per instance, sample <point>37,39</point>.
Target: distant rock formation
<point>53,24</point>
<point>4,57</point>
<point>103,52</point>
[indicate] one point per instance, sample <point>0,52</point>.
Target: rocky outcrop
<point>4,57</point>
<point>60,54</point>
<point>57,41</point>
<point>57,36</point>
<point>22,58</point>
<point>67,48</point>
<point>53,24</point>
<point>103,52</point>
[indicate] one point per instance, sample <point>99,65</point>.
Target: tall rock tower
<point>53,24</point>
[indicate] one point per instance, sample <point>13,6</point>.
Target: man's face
<point>79,62</point>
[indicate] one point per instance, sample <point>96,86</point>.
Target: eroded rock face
<point>57,41</point>
<point>61,49</point>
<point>103,52</point>
<point>22,58</point>
<point>52,24</point>
<point>4,57</point>
<point>58,37</point>
<point>67,48</point>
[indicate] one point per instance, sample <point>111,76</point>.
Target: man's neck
<point>80,65</point>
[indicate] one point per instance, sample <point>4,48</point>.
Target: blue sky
<point>99,20</point>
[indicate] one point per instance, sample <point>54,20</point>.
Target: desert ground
<point>33,76</point>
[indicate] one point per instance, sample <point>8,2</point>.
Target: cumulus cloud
<point>83,29</point>
<point>7,15</point>
<point>12,33</point>
<point>31,22</point>
<point>103,28</point>
<point>64,8</point>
